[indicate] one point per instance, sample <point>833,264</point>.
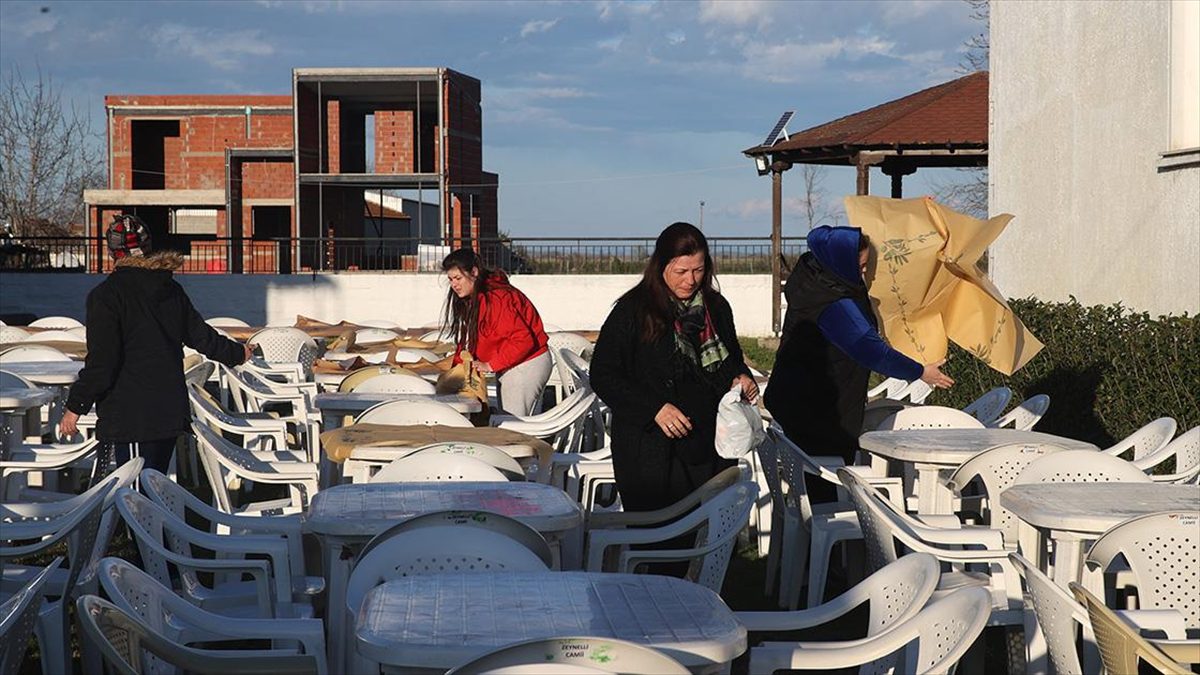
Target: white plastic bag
<point>739,425</point>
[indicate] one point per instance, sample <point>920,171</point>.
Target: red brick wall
<point>394,140</point>
<point>333,136</point>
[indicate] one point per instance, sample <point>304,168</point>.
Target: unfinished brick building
<point>245,183</point>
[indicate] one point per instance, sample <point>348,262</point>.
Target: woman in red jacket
<point>500,327</point>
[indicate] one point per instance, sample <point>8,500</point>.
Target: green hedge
<point>1106,369</point>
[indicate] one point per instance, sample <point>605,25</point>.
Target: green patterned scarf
<point>695,336</point>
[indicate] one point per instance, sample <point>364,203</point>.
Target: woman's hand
<point>672,421</point>
<point>749,387</point>
<point>68,425</point>
<point>482,367</point>
<point>934,377</point>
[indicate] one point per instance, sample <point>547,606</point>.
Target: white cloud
<point>612,44</point>
<point>676,37</point>
<point>39,24</point>
<point>607,9</point>
<point>220,49</point>
<point>737,12</point>
<point>790,61</point>
<point>538,26</point>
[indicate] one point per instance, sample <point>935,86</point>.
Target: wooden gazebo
<point>943,126</point>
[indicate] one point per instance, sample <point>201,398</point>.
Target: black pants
<point>155,454</point>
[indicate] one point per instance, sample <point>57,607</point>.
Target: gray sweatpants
<point>520,388</point>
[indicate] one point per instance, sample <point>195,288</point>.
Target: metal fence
<point>520,255</point>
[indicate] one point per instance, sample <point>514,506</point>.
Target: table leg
<point>1068,558</point>
<point>932,497</point>
<point>337,575</point>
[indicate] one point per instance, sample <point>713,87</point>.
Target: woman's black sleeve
<point>613,374</point>
<point>735,363</point>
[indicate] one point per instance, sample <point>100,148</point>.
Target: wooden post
<point>897,185</point>
<point>863,184</point>
<point>777,169</point>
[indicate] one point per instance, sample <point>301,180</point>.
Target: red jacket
<point>510,330</point>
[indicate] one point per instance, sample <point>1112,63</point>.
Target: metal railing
<point>520,255</point>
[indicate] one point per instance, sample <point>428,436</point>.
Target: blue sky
<point>602,118</point>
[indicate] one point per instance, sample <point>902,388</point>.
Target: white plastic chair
<point>46,460</point>
<point>427,413</point>
<point>415,356</point>
<point>1081,466</point>
<point>366,336</point>
<point>997,469</point>
<point>716,523</point>
<point>930,417</point>
<point>1146,441</point>
<point>129,647</point>
<point>1185,450</point>
<point>59,322</point>
<point>78,529</point>
<point>177,620</point>
<point>1024,416</point>
<point>988,407</point>
<point>226,465</point>
<point>1122,648</point>
<point>28,353</point>
<point>292,403</point>
<point>286,345</point>
<point>168,544</point>
<point>556,343</point>
<point>13,381</point>
<point>12,334</point>
<point>1162,550</point>
<point>397,383</point>
<point>892,387</point>
<point>259,433</point>
<point>567,655</point>
<point>917,392</point>
<point>893,595</point>
<point>54,336</point>
<point>932,642</point>
<point>487,454</point>
<point>565,426</point>
<point>226,322</point>
<point>18,615</point>
<point>438,468</point>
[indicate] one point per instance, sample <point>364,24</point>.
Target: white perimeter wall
<point>1080,95</point>
<point>412,300</point>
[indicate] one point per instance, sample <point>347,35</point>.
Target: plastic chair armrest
<point>1183,651</point>
<point>1169,621</point>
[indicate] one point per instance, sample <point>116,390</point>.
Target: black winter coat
<point>817,391</point>
<point>137,321</point>
<point>635,379</point>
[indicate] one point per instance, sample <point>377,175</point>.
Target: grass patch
<point>760,357</point>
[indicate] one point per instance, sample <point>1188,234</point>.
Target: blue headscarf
<point>836,248</point>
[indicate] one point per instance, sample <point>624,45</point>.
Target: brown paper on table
<point>338,444</point>
<point>462,379</point>
<point>926,286</point>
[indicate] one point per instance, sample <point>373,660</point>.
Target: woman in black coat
<point>666,354</point>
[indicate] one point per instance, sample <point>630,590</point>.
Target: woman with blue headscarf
<point>830,345</point>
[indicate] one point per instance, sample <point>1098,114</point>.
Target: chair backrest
<point>438,468</point>
<point>199,373</point>
<point>873,519</point>
<point>366,336</point>
<point>13,381</point>
<point>988,407</point>
<point>356,377</point>
<point>487,454</point>
<point>578,367</point>
<point>18,615</point>
<point>1026,415</point>
<point>1081,466</point>
<point>54,335</point>
<point>895,593</point>
<point>1057,613</point>
<point>943,631</point>
<point>892,387</point>
<point>226,322</point>
<point>124,642</point>
<point>12,334</point>
<point>469,521</point>
<point>1146,441</point>
<point>221,458</point>
<point>26,353</point>
<point>1163,552</point>
<point>286,345</point>
<point>729,511</point>
<point>436,549</point>
<point>58,322</point>
<point>427,413</point>
<point>397,384</point>
<point>998,469</point>
<point>916,391</point>
<point>930,417</point>
<point>415,356</point>
<point>1185,449</point>
<point>567,655</point>
<point>1121,647</point>
<point>794,463</point>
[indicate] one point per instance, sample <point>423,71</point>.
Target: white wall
<point>568,301</point>
<point>1080,95</point>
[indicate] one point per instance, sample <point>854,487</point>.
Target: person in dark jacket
<point>137,321</point>
<point>666,354</point>
<point>830,345</point>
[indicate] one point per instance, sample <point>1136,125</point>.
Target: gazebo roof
<point>949,116</point>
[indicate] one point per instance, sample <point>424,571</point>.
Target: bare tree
<point>48,155</point>
<point>968,191</point>
<point>816,209</point>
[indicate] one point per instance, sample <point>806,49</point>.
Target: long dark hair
<point>460,316</point>
<point>651,297</point>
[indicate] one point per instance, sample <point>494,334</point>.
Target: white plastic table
<point>334,406</point>
<point>48,373</point>
<point>931,451</point>
<point>345,517</point>
<point>438,621</point>
<point>1072,514</point>
<point>14,404</point>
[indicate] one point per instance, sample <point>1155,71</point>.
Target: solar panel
<point>774,135</point>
